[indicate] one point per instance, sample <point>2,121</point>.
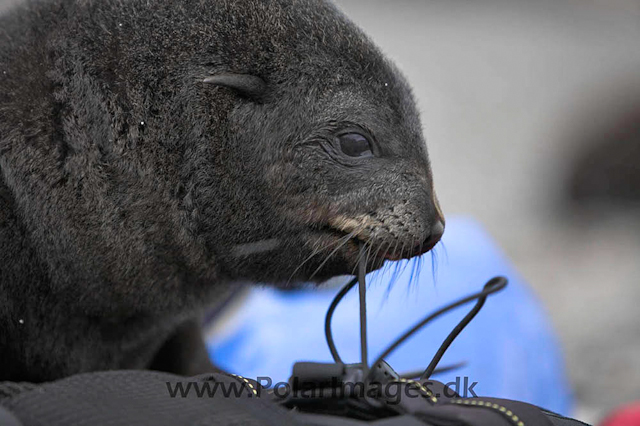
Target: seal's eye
<point>355,145</point>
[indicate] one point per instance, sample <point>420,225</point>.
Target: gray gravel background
<point>505,87</point>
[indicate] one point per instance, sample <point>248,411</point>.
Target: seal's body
<point>154,154</point>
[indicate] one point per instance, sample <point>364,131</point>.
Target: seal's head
<point>328,146</point>
<point>214,141</point>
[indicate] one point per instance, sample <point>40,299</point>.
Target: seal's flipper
<point>249,86</point>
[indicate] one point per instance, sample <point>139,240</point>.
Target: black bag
<point>131,398</point>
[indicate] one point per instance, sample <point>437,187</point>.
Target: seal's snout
<point>437,230</point>
<point>435,234</point>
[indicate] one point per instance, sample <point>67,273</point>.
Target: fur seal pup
<point>155,154</point>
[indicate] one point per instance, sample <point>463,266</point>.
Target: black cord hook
<point>492,286</point>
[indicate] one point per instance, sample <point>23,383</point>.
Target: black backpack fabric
<point>142,398</point>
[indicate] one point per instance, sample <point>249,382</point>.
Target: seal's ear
<point>249,86</point>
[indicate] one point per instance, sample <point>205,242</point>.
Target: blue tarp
<point>510,348</point>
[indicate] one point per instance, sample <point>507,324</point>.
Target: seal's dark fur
<point>134,194</point>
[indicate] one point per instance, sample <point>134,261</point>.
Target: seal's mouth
<point>353,241</point>
<point>363,229</point>
<point>346,242</point>
<point>341,238</point>
<point>337,243</point>
<point>360,228</point>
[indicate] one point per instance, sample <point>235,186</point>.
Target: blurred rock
<point>607,169</point>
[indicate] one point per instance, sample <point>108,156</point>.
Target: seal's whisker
<point>444,249</point>
<point>385,268</point>
<point>378,271</point>
<point>412,271</point>
<point>367,252</point>
<point>404,267</point>
<point>317,251</point>
<point>378,250</point>
<point>386,252</point>
<point>404,264</point>
<point>434,264</point>
<point>369,247</point>
<point>418,270</point>
<point>346,240</point>
<point>394,276</point>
